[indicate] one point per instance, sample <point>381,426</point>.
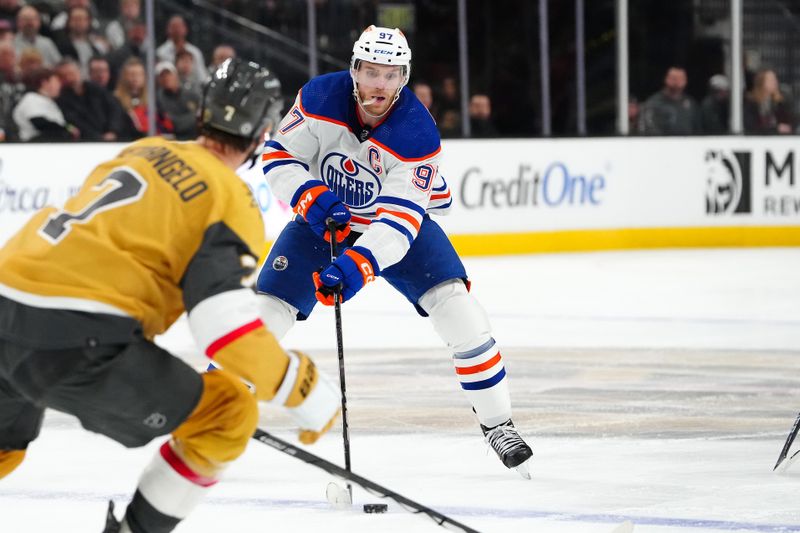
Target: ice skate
<point>509,446</point>
<point>112,524</point>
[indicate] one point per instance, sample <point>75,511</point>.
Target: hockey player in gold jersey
<point>164,227</point>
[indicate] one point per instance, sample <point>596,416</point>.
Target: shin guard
<point>178,477</point>
<point>462,323</point>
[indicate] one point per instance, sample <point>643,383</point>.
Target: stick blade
<point>785,463</point>
<point>787,446</point>
<point>338,496</point>
<point>625,527</point>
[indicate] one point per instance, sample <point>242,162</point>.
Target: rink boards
<point>512,196</point>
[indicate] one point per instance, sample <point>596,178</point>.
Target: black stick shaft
<point>789,441</point>
<point>337,308</point>
<point>370,486</point>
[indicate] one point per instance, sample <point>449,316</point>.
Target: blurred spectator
<point>6,31</point>
<point>133,47</point>
<point>11,90</point>
<point>220,54</point>
<point>8,62</point>
<point>670,111</point>
<point>93,110</point>
<point>8,12</point>
<point>425,94</point>
<point>480,117</point>
<point>78,41</point>
<point>29,23</point>
<point>184,63</point>
<point>58,23</point>
<point>765,107</point>
<point>100,73</point>
<point>450,98</point>
<point>450,124</point>
<point>130,12</point>
<point>715,108</point>
<point>37,115</point>
<point>131,92</point>
<point>176,40</point>
<point>634,109</point>
<point>30,59</point>
<point>177,106</point>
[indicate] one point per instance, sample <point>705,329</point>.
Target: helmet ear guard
<point>238,97</point>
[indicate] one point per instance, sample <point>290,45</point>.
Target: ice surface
<point>656,387</point>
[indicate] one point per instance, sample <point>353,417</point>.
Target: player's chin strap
<point>361,103</point>
<point>364,109</point>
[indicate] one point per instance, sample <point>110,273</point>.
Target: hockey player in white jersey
<point>358,148</point>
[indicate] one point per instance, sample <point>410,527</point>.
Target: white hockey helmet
<point>384,46</point>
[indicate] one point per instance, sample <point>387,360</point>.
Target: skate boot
<point>509,446</point>
<point>112,524</point>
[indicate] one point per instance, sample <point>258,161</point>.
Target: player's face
<point>377,85</point>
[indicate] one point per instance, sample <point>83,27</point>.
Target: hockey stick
<point>789,440</point>
<point>337,299</point>
<point>370,486</point>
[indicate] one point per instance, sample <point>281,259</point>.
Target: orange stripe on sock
<point>466,370</point>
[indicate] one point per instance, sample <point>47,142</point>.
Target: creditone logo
<point>355,184</point>
<point>728,182</point>
<point>557,185</point>
<point>25,199</point>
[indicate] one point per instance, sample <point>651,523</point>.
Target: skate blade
<point>524,469</point>
<point>338,496</point>
<point>788,462</point>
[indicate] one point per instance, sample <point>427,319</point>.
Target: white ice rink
<point>655,387</point>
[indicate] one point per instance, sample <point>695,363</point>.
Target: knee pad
<point>219,428</point>
<point>309,396</point>
<point>278,316</point>
<point>456,316</point>
<point>9,460</point>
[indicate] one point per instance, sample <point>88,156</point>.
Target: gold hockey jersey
<point>152,232</point>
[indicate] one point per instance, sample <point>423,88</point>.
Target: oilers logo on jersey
<point>355,184</point>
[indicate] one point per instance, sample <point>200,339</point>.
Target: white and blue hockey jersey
<point>387,176</point>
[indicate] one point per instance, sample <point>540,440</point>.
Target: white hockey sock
<point>170,486</point>
<point>277,315</point>
<point>482,376</point>
<point>462,323</point>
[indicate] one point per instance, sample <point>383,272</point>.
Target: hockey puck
<point>375,507</point>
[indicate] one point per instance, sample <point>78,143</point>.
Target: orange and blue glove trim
<point>351,271</point>
<point>315,202</point>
